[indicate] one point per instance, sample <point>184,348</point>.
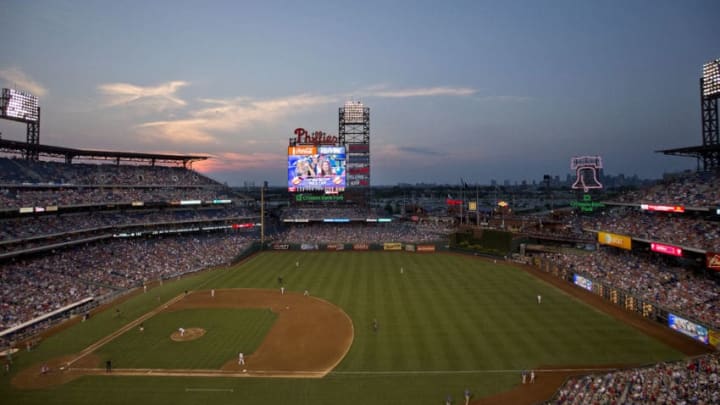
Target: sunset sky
<point>477,90</point>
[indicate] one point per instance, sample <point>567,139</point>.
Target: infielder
<point>241,359</point>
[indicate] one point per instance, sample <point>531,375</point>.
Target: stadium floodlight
<point>19,105</point>
<point>353,112</point>
<point>711,79</point>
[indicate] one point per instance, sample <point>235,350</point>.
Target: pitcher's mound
<point>190,334</point>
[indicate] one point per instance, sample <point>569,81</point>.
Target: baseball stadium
<point>132,278</point>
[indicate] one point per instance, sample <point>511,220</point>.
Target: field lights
<point>711,78</point>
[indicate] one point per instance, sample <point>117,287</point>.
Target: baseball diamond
<point>447,321</point>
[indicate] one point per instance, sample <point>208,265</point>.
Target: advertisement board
<point>582,282</point>
<point>714,338</point>
<point>662,208</point>
<point>426,248</point>
<point>666,249</point>
<point>682,325</point>
<point>713,260</point>
<point>316,168</point>
<point>613,239</point>
<point>392,246</point>
<point>361,246</point>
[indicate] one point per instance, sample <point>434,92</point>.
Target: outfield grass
<point>447,323</point>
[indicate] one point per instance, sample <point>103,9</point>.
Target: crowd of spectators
<point>676,229</point>
<point>357,213</point>
<point>37,225</point>
<point>24,172</point>
<point>690,190</point>
<point>650,278</point>
<point>692,381</point>
<point>17,197</point>
<point>41,184</point>
<point>34,286</point>
<point>364,233</point>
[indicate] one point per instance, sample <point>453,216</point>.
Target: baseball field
<point>373,328</point>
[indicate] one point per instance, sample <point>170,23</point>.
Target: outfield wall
<point>674,320</point>
<point>422,247</point>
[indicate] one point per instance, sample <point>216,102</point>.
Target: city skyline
<point>464,90</point>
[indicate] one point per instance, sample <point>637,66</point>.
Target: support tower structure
<point>354,134</point>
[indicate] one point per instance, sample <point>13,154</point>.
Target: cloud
<point>424,92</point>
<point>155,98</point>
<point>17,79</point>
<point>229,116</point>
<point>233,161</point>
<point>189,131</point>
<point>216,116</point>
<point>419,151</point>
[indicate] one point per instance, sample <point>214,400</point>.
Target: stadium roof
<point>693,151</point>
<point>69,154</point>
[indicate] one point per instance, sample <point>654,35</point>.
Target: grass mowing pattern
<point>228,331</point>
<point>465,322</point>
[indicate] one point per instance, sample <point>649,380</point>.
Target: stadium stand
<point>692,381</point>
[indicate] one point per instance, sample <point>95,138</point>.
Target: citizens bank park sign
<point>316,138</point>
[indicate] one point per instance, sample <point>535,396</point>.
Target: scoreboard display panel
<point>316,168</point>
<point>19,105</point>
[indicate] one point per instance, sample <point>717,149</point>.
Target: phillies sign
<point>316,138</point>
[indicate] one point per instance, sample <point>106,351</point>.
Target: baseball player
<point>212,293</point>
<point>241,359</point>
<point>182,331</point>
<point>532,376</point>
<point>539,298</point>
<point>468,394</point>
<point>282,290</point>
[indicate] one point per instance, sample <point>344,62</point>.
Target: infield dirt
<point>308,339</point>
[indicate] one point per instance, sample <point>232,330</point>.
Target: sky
<point>472,90</point>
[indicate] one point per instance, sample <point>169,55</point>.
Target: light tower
<point>709,152</point>
<point>23,107</point>
<point>354,134</point>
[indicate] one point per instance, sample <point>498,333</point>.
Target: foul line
<point>500,371</point>
<point>209,390</point>
<point>131,325</point>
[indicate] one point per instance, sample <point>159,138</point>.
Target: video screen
<point>686,327</point>
<point>316,168</point>
<point>582,282</point>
